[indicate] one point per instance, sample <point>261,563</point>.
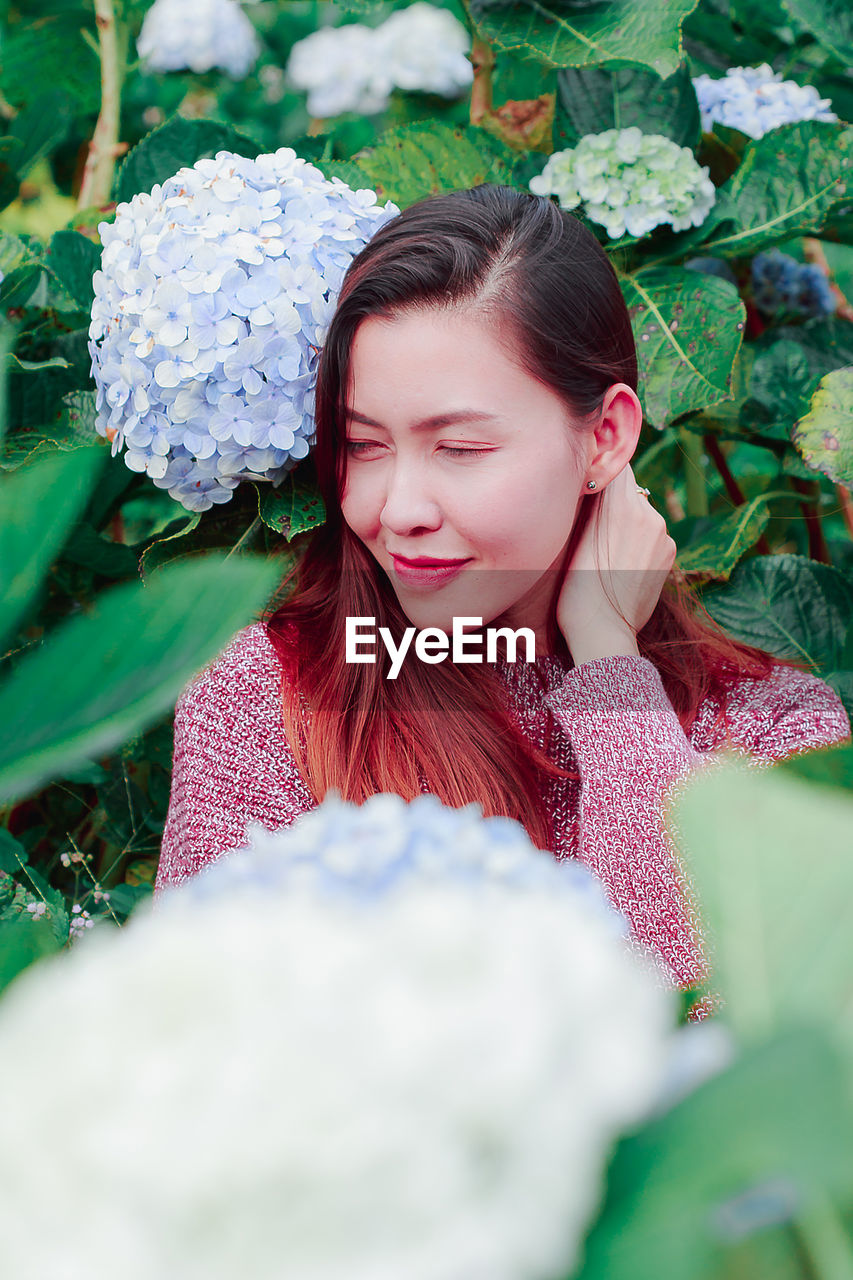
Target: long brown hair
<point>548,287</point>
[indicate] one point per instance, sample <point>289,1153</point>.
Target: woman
<point>476,405</point>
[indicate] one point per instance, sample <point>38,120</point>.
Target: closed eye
<point>355,446</point>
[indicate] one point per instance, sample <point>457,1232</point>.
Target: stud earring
<point>590,484</point>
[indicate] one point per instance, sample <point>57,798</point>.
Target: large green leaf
<point>718,550</point>
<point>763,1142</point>
<point>38,505</point>
<point>789,605</point>
<point>562,34</point>
<point>100,678</point>
<point>787,183</point>
<point>293,507</point>
<point>51,51</point>
<point>789,363</point>
<point>766,854</point>
<point>831,21</point>
<point>175,145</point>
<point>426,158</point>
<point>593,99</point>
<point>74,259</point>
<point>824,436</point>
<point>688,329</point>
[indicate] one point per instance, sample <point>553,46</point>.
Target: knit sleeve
<point>631,749</point>
<point>231,763</point>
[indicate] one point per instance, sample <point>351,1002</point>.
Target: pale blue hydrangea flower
<point>362,852</point>
<point>197,35</point>
<point>629,182</point>
<point>782,285</point>
<point>211,306</point>
<point>355,68</point>
<point>755,100</point>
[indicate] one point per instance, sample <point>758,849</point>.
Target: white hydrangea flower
<point>756,100</point>
<point>424,1083</point>
<point>629,182</point>
<point>197,35</point>
<point>424,48</point>
<point>354,68</point>
<point>213,300</point>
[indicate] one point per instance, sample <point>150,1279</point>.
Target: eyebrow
<point>430,424</point>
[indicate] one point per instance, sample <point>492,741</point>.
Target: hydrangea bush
<point>210,308</point>
<point>423,1082</point>
<point>355,67</point>
<point>756,100</point>
<point>197,35</point>
<point>782,285</point>
<point>629,181</point>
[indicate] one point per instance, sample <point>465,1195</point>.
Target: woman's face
<point>454,452</point>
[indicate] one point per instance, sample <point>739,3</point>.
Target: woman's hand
<point>616,574</point>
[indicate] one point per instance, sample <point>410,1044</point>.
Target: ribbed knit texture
<point>612,724</point>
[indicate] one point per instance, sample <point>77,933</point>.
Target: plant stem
<point>247,537</point>
<point>813,252</point>
<point>482,60</point>
<point>97,182</point>
<point>825,1242</point>
<point>733,489</point>
<point>694,472</point>
<point>846,504</point>
<point>818,549</point>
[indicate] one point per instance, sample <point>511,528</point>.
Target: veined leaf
<point>830,21</point>
<point>562,36</point>
<point>293,507</point>
<point>176,144</point>
<point>716,554</point>
<point>787,183</point>
<point>592,99</point>
<point>426,158</point>
<point>688,331</point>
<point>824,436</point>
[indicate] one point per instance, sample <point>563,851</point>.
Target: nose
<point>409,504</point>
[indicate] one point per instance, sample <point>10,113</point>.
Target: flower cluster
<point>756,100</point>
<point>213,299</point>
<point>629,182</point>
<point>356,67</point>
<point>362,852</point>
<point>780,284</point>
<point>425,1083</point>
<point>197,35</point>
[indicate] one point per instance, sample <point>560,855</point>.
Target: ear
<point>612,445</point>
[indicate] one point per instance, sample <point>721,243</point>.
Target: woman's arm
<point>232,763</point>
<point>631,749</point>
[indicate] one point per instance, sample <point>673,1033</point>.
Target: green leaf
<point>688,332</point>
<point>789,605</point>
<point>830,21</point>
<point>13,855</point>
<point>22,942</point>
<point>38,505</point>
<point>74,259</point>
<point>760,1143</point>
<point>293,507</point>
<point>824,436</point>
<point>100,678</point>
<point>163,550</point>
<point>98,554</point>
<point>40,128</point>
<point>35,366</point>
<point>426,158</point>
<point>562,35</point>
<point>730,537</point>
<point>832,767</point>
<point>177,144</point>
<point>787,183</point>
<point>764,851</point>
<point>52,51</point>
<point>21,270</point>
<point>790,361</point>
<point>593,99</point>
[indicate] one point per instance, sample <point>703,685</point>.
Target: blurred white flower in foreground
<point>211,305</point>
<point>629,181</point>
<point>264,1077</point>
<point>354,68</point>
<point>197,35</point>
<point>755,100</point>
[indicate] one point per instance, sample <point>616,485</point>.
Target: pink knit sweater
<point>613,725</point>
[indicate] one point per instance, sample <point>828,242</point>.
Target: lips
<point>425,572</point>
<point>428,562</point>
